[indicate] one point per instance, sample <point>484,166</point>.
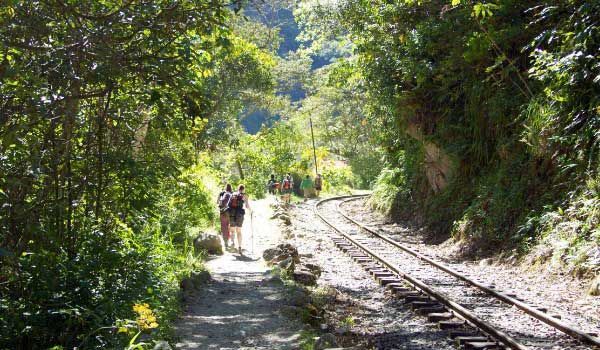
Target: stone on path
<point>305,277</point>
<point>280,253</point>
<point>209,242</point>
<point>195,280</point>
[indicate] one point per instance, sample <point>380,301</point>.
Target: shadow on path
<point>237,309</point>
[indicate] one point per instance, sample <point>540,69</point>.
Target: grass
<point>308,339</point>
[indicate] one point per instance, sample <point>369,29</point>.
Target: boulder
<point>325,341</point>
<point>291,311</point>
<point>186,284</point>
<point>280,253</point>
<point>314,269</point>
<point>288,264</point>
<point>298,297</point>
<point>275,279</point>
<point>209,242</point>
<point>195,280</point>
<point>200,278</point>
<point>306,278</point>
<point>280,211</point>
<point>286,219</point>
<point>270,254</point>
<point>594,288</point>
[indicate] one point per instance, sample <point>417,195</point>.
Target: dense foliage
<point>105,108</point>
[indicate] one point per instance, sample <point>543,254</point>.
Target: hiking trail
<point>240,307</point>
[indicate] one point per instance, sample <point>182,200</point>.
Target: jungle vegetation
<point>120,121</point>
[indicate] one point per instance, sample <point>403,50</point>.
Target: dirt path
<point>240,307</point>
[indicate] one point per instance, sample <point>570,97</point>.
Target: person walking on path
<point>237,202</point>
<point>287,186</point>
<point>306,186</point>
<point>272,184</point>
<point>318,184</point>
<point>222,202</point>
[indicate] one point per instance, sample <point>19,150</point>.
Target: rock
<point>195,280</point>
<point>162,345</point>
<point>270,254</point>
<point>314,269</point>
<point>287,264</point>
<point>485,262</point>
<point>200,278</point>
<point>273,279</point>
<point>280,253</point>
<point>276,214</point>
<point>186,284</point>
<point>305,277</point>
<point>209,242</point>
<point>286,219</point>
<point>594,288</point>
<point>298,298</point>
<point>291,311</point>
<point>325,341</point>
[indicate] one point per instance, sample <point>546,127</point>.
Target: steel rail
<point>551,321</point>
<point>440,297</point>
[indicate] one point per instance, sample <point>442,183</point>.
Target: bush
<point>390,185</point>
<point>338,179</point>
<point>75,296</point>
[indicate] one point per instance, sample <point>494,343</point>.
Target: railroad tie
<point>400,285</point>
<point>381,274</point>
<point>409,294</point>
<point>420,297</point>
<point>453,334</point>
<point>384,281</point>
<point>447,325</point>
<point>367,265</point>
<point>473,339</point>
<point>482,345</point>
<point>436,309</point>
<point>416,305</point>
<point>440,316</point>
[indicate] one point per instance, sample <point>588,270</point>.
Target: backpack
<point>286,184</point>
<point>237,201</point>
<point>318,182</point>
<point>223,199</point>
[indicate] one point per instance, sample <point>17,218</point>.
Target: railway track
<point>476,315</point>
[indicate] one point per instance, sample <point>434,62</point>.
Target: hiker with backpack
<point>306,186</point>
<point>237,202</point>
<point>287,186</point>
<point>272,185</point>
<point>222,202</point>
<point>318,184</point>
